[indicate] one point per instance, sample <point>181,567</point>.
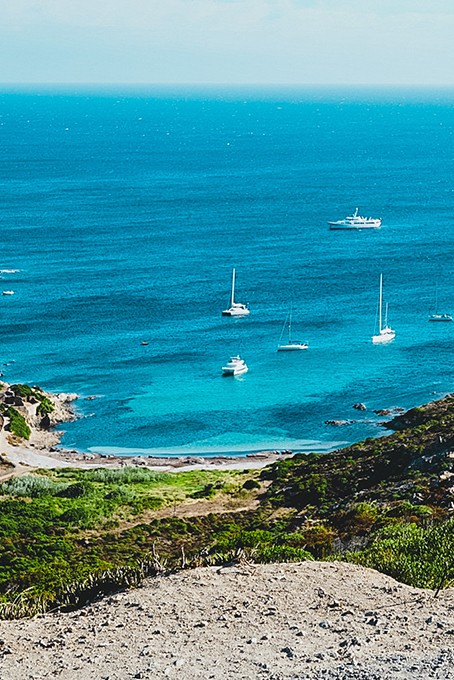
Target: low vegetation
<point>68,535</point>
<point>17,423</point>
<point>36,394</point>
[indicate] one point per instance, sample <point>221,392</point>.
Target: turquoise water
<point>125,214</point>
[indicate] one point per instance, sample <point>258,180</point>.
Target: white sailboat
<point>291,345</point>
<point>438,316</point>
<point>385,333</point>
<point>236,308</point>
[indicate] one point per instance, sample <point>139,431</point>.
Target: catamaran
<point>385,333</point>
<point>236,308</point>
<point>291,345</point>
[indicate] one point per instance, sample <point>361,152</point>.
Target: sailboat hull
<point>235,311</point>
<point>383,338</point>
<point>443,318</point>
<point>292,347</point>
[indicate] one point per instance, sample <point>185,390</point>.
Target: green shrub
<point>126,475</point>
<point>280,553</point>
<point>17,422</point>
<point>45,405</point>
<point>419,556</point>
<point>32,486</point>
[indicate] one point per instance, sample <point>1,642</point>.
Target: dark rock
<point>288,651</point>
<point>12,400</point>
<point>337,423</point>
<point>360,406</point>
<point>45,423</point>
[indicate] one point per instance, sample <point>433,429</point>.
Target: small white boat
<point>438,316</point>
<point>8,292</point>
<point>291,345</point>
<point>385,333</point>
<point>236,366</point>
<point>355,221</point>
<point>236,308</point>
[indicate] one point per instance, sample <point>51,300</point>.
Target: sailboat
<point>236,308</point>
<point>437,316</point>
<point>291,345</point>
<point>385,333</point>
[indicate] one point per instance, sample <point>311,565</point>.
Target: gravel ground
<point>270,622</point>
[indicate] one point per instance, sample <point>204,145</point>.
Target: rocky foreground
<point>276,622</point>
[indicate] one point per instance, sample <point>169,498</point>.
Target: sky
<point>287,42</point>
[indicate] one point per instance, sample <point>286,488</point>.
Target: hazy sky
<point>227,41</point>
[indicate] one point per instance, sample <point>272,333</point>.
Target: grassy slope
<point>69,534</point>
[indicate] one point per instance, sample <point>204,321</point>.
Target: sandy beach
<point>42,450</point>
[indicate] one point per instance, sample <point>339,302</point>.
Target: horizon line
<point>103,84</point>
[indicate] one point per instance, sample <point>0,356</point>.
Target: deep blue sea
<point>125,213</point>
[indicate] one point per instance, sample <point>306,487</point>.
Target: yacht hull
<point>293,347</point>
<point>226,372</point>
<point>353,227</point>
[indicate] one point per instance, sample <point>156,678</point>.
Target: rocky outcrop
<point>360,406</point>
<point>31,413</point>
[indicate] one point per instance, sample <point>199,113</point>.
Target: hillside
<point>72,535</point>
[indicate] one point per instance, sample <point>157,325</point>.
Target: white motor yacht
<point>236,308</point>
<point>355,221</point>
<point>235,366</point>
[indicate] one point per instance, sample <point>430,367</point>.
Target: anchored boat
<point>236,308</point>
<point>355,221</point>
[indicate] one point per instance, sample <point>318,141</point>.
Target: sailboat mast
<point>380,304</point>
<point>290,326</point>
<point>232,299</point>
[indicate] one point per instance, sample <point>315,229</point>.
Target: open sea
<point>124,213</point>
